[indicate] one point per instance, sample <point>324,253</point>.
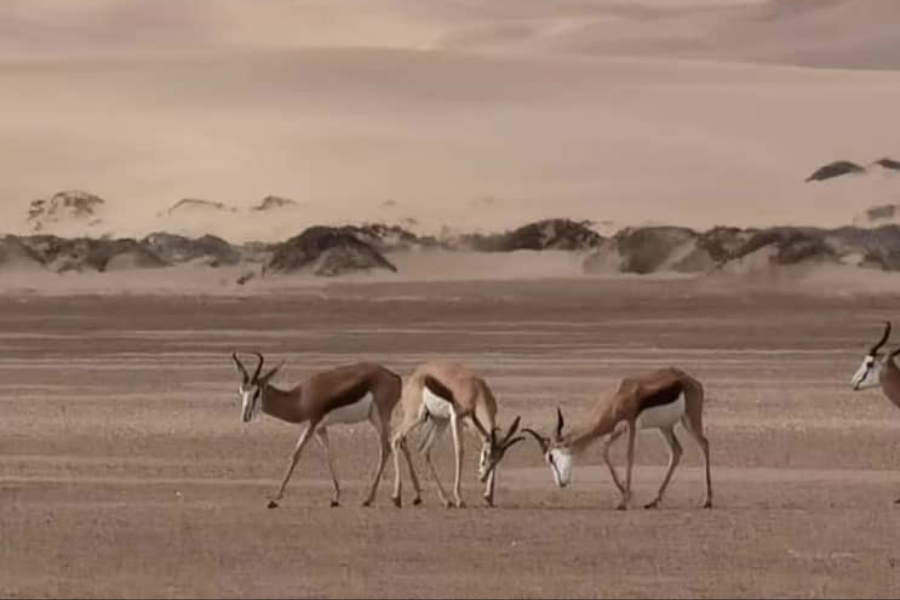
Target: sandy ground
<point>124,470</point>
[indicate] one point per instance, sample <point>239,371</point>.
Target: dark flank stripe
<point>351,395</point>
<point>666,395</point>
<point>439,389</point>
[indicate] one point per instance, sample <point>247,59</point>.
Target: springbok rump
<point>658,400</point>
<point>343,396</point>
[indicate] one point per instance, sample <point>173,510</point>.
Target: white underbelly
<point>436,406</point>
<point>357,412</point>
<point>660,417</point>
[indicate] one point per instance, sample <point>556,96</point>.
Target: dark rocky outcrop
<point>388,238</point>
<point>888,163</point>
<point>199,205</point>
<point>175,249</point>
<point>550,234</point>
<point>270,203</point>
<point>326,251</point>
<point>84,254</point>
<point>16,255</point>
<point>836,169</point>
<point>67,207</point>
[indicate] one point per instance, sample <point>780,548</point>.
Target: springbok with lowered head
<point>342,396</point>
<point>880,370</point>
<point>447,394</point>
<point>657,400</point>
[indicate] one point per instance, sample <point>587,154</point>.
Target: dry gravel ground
<point>124,469</point>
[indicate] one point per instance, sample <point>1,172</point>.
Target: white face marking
<point>484,461</point>
<point>350,414</point>
<point>560,461</point>
<point>251,397</point>
<point>658,417</point>
<point>869,374</point>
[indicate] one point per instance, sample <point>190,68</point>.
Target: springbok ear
<point>560,423</point>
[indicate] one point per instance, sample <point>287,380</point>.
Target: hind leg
<point>675,453</point>
<point>694,426</point>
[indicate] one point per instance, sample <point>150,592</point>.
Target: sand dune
<point>673,112</point>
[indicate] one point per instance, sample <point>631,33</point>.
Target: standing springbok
<point>880,370</point>
<point>446,393</point>
<point>345,395</point>
<point>657,400</point>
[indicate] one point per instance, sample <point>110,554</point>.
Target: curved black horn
<point>271,373</point>
<point>560,423</point>
<point>543,442</point>
<point>240,367</point>
<point>884,339</point>
<point>259,366</point>
<point>513,428</point>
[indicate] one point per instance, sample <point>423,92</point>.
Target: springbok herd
<point>441,394</point>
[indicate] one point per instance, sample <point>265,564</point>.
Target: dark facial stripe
<point>666,395</point>
<point>439,389</point>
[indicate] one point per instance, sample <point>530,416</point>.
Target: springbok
<point>657,400</point>
<point>880,370</point>
<point>345,395</point>
<point>447,394</point>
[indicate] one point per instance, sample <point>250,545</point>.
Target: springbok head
<point>557,455</point>
<point>494,448</point>
<point>253,387</point>
<point>869,373</point>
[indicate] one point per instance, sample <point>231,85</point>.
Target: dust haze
<point>686,113</point>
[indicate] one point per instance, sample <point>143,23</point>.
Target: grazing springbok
<point>447,394</point>
<point>880,370</point>
<point>657,400</point>
<point>342,396</point>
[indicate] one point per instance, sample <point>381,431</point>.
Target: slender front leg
<point>675,452</point>
<point>456,425</point>
<point>301,444</point>
<point>417,488</point>
<point>612,470</point>
<point>490,487</point>
<point>626,496</point>
<point>322,436</point>
<point>384,450</point>
<point>398,445</point>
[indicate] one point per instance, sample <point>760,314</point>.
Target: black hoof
<point>335,504</point>
<point>708,504</point>
<point>417,502</point>
<point>398,502</point>
<point>272,504</point>
<point>652,506</point>
<point>367,504</point>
